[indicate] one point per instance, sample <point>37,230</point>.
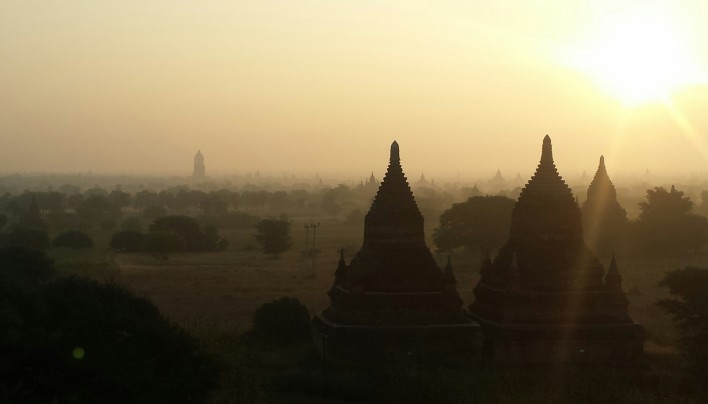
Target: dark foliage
<point>3,221</point>
<point>479,222</point>
<point>689,308</point>
<point>236,220</point>
<point>163,243</point>
<point>73,239</point>
<point>23,237</point>
<point>282,321</point>
<point>74,340</point>
<point>132,223</point>
<point>666,226</point>
<point>273,236</point>
<point>127,241</point>
<point>96,208</point>
<point>187,228</point>
<point>152,212</point>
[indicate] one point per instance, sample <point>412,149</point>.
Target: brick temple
<point>546,298</point>
<point>604,220</point>
<point>392,303</point>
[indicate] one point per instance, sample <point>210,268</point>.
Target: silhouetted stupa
<point>604,220</point>
<point>199,167</point>
<point>392,302</point>
<point>546,298</point>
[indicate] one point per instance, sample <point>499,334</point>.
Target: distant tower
<point>604,220</point>
<point>199,167</point>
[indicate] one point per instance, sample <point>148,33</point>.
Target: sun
<point>638,57</point>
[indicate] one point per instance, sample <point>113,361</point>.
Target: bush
<point>73,239</point>
<point>274,236</point>
<point>75,340</point>
<point>163,243</point>
<point>127,241</point>
<point>689,307</point>
<point>285,320</point>
<point>23,237</point>
<point>480,222</point>
<point>132,223</point>
<point>186,228</point>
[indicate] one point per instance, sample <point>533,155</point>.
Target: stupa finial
<point>395,156</point>
<point>547,150</point>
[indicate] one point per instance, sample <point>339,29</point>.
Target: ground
<point>219,291</point>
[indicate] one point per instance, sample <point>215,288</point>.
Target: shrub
<point>73,239</point>
<point>127,241</point>
<point>285,320</point>
<point>274,236</point>
<point>75,340</point>
<point>132,223</point>
<point>23,237</point>
<point>163,243</point>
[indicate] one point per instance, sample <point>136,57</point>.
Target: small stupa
<point>604,220</point>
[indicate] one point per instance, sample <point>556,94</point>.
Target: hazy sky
<point>138,86</point>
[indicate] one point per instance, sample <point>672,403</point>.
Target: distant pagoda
<point>604,220</point>
<point>199,167</point>
<point>546,298</point>
<point>392,302</point>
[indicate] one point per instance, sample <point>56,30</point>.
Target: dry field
<point>223,289</point>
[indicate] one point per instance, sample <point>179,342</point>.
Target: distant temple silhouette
<point>604,220</point>
<point>199,167</point>
<point>546,298</point>
<point>392,302</point>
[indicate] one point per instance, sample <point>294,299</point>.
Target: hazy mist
<point>323,86</point>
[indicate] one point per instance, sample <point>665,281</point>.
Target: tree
<point>75,340</point>
<point>479,222</point>
<point>96,208</point>
<point>119,199</point>
<point>187,228</point>
<point>3,221</point>
<point>689,308</point>
<point>665,224</point>
<point>75,239</point>
<point>132,223</point>
<point>274,236</point>
<point>283,321</point>
<point>127,241</point>
<point>161,243</point>
<point>32,217</point>
<point>153,212</point>
<point>23,237</point>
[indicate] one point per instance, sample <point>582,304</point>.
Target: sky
<point>325,86</point>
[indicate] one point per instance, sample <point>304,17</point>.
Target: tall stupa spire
<point>394,210</point>
<point>547,150</point>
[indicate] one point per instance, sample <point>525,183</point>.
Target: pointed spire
<point>341,268</point>
<point>513,280</point>
<point>546,185</point>
<point>613,279</point>
<point>448,275</point>
<point>394,210</point>
<point>485,256</point>
<point>395,155</point>
<point>601,190</point>
<point>547,150</point>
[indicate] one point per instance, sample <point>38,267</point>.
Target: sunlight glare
<point>638,57</point>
